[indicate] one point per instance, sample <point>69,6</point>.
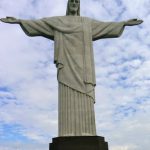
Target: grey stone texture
<point>75,65</point>
<point>73,36</point>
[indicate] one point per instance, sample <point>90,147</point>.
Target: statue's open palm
<point>133,22</point>
<point>11,20</point>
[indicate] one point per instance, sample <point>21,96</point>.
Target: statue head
<point>73,8</point>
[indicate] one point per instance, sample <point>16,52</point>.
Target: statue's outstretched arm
<point>102,30</point>
<point>10,20</point>
<point>32,27</point>
<point>133,22</point>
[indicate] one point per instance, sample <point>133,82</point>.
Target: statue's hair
<point>67,12</point>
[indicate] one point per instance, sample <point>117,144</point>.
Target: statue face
<point>74,6</point>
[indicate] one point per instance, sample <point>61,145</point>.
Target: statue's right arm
<point>10,20</point>
<point>32,27</point>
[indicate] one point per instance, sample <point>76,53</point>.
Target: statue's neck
<point>73,13</point>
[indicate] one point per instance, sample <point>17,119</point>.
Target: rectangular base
<point>79,143</point>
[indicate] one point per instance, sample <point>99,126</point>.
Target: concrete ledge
<point>79,143</point>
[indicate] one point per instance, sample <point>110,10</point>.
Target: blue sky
<point>28,85</point>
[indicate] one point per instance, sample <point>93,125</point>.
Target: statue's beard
<point>73,11</point>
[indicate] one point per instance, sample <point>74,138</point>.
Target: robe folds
<point>73,36</point>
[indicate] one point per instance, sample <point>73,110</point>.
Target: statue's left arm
<point>102,30</point>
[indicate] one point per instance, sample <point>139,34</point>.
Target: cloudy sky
<point>28,85</point>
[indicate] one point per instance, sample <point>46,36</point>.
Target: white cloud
<point>127,147</point>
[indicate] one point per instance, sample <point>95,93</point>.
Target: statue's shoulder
<point>52,18</point>
<point>56,18</point>
<point>68,19</point>
<point>88,19</point>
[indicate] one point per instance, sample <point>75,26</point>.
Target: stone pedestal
<point>79,143</point>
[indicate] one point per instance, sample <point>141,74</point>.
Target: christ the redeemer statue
<point>73,36</point>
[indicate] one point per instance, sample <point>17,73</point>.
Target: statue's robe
<point>73,36</point>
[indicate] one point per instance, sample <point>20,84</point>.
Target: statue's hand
<point>133,22</point>
<point>11,20</point>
